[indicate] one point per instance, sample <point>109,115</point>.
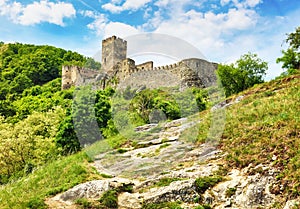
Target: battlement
<point>168,67</point>
<point>112,39</point>
<point>145,66</point>
<point>116,64</point>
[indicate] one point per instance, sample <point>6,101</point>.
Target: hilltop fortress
<point>118,69</point>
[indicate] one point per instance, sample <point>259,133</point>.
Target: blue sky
<point>222,30</point>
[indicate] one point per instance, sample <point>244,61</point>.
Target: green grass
<point>264,124</point>
<point>230,192</point>
<point>56,177</point>
<point>166,181</point>
<point>164,205</point>
<point>204,183</point>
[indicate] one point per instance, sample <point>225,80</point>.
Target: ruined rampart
<point>116,65</point>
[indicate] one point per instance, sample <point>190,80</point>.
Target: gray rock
<point>291,204</point>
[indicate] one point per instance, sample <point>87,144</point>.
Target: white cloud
<point>99,24</point>
<point>242,3</point>
<point>104,28</point>
<point>252,3</point>
<point>112,8</point>
<point>88,13</point>
<point>115,6</point>
<point>119,29</point>
<point>224,2</point>
<point>37,12</point>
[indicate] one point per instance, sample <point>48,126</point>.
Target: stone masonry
<point>116,66</point>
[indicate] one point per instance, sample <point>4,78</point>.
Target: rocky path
<point>164,154</point>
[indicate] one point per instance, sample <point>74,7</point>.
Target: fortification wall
<point>145,66</point>
<point>150,79</point>
<point>205,70</point>
<point>77,76</point>
<point>186,73</point>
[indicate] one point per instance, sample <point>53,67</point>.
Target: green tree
<point>66,139</point>
<point>28,143</point>
<point>246,72</point>
<point>92,64</point>
<point>291,57</point>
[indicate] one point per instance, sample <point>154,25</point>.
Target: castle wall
<point>204,69</point>
<point>145,66</point>
<point>150,79</point>
<point>77,76</point>
<point>186,73</point>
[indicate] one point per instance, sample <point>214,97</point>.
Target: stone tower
<point>66,77</point>
<point>114,50</point>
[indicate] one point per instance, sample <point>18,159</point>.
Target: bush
<point>110,199</point>
<point>36,203</point>
<point>203,183</point>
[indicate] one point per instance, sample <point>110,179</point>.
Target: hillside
<point>254,165</point>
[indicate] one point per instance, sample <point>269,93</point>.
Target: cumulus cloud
<point>120,29</point>
<point>37,12</point>
<point>104,28</point>
<point>99,24</point>
<point>116,7</point>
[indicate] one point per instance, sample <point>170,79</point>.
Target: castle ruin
<point>117,67</point>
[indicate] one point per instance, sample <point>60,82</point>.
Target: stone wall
<point>145,66</point>
<point>114,50</point>
<point>150,79</point>
<point>191,72</point>
<point>77,76</point>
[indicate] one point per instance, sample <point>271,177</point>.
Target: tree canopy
<point>244,73</point>
<point>291,56</point>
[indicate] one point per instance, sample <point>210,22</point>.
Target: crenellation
<point>116,64</point>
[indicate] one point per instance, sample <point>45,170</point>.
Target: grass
<point>230,192</point>
<point>264,125</point>
<point>56,177</point>
<point>170,205</point>
<point>166,181</point>
<point>204,183</point>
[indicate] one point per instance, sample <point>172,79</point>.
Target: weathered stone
<point>92,189</point>
<point>115,64</point>
<point>250,191</point>
<point>146,127</point>
<point>291,204</point>
<point>177,191</point>
<point>129,201</point>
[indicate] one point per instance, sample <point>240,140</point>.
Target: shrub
<point>203,183</point>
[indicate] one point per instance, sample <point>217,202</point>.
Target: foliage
<point>30,75</point>
<point>203,183</point>
<point>170,205</point>
<point>166,181</point>
<point>293,39</point>
<point>246,72</point>
<point>110,199</point>
<point>291,57</point>
<point>83,202</point>
<point>203,207</point>
<point>66,139</point>
<point>48,180</point>
<point>28,143</point>
<point>157,105</point>
<point>82,126</point>
<point>24,65</point>
<point>36,203</point>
